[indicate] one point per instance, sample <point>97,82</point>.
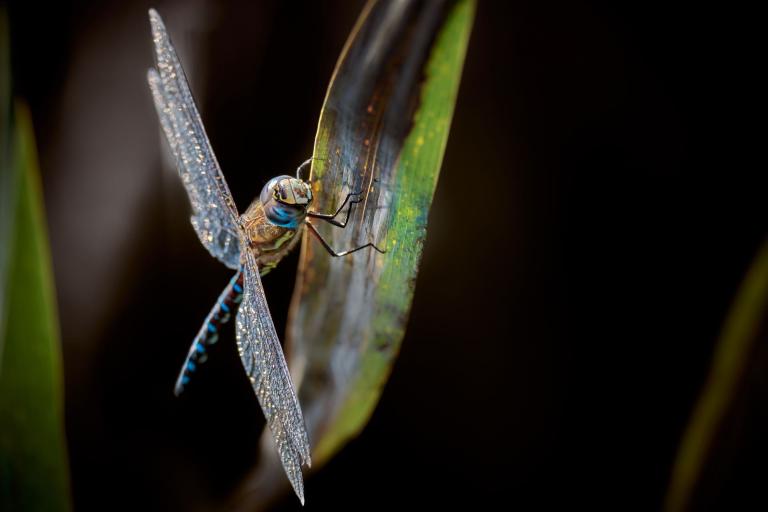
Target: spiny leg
<point>332,252</point>
<point>330,217</point>
<point>209,332</point>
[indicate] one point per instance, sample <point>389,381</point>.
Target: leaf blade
<point>729,366</point>
<point>383,130</point>
<point>417,170</point>
<point>33,461</point>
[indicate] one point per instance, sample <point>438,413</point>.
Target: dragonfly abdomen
<point>222,311</point>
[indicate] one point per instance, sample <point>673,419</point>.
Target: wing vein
<point>214,215</point>
<point>263,360</point>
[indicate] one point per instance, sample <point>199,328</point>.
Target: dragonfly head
<point>285,200</point>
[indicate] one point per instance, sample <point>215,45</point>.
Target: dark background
<point>562,327</point>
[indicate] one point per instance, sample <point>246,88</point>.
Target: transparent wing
<point>262,356</point>
<point>214,215</point>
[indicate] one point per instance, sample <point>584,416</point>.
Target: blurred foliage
<point>734,350</point>
<point>7,197</point>
<point>33,462</point>
<point>383,130</point>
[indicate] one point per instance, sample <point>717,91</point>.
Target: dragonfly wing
<point>262,356</point>
<point>214,214</point>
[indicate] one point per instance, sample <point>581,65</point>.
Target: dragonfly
<point>251,244</point>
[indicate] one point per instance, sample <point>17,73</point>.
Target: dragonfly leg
<point>304,165</point>
<point>331,217</point>
<point>332,252</point>
<point>209,333</point>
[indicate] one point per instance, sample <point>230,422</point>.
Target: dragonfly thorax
<point>285,200</point>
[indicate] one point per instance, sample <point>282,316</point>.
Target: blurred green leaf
<point>383,130</point>
<point>33,462</point>
<point>7,187</point>
<point>730,364</point>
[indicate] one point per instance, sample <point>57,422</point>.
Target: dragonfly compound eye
<point>285,200</point>
<point>291,191</point>
<point>301,192</point>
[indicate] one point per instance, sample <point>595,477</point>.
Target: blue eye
<point>270,190</point>
<point>283,215</point>
<point>285,201</point>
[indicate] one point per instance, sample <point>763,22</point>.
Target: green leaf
<point>382,131</point>
<point>736,347</point>
<point>33,462</point>
<point>396,134</point>
<point>7,185</point>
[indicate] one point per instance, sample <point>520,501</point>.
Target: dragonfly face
<point>285,200</point>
